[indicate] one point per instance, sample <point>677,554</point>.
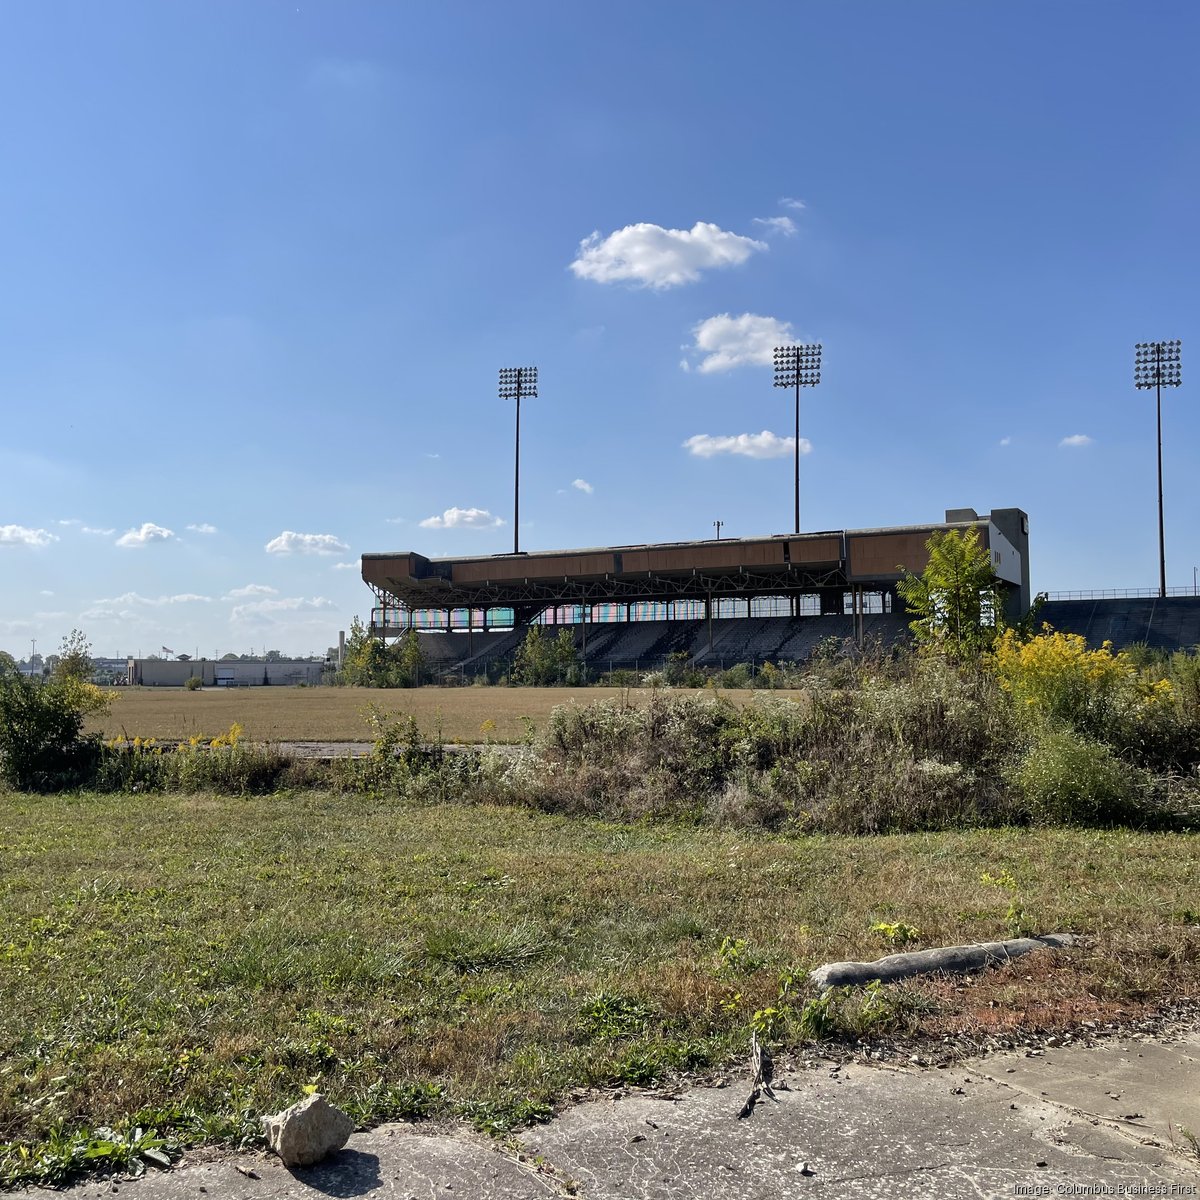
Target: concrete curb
<point>956,959</point>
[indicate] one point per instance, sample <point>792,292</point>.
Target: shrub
<point>622,677</point>
<point>370,662</point>
<point>946,714</point>
<point>740,675</point>
<point>915,756</point>
<point>663,758</point>
<point>194,683</point>
<point>234,770</point>
<point>1184,672</point>
<point>137,766</point>
<point>42,746</point>
<point>1059,678</point>
<point>540,660</point>
<point>221,764</point>
<point>1152,721</point>
<point>1067,778</point>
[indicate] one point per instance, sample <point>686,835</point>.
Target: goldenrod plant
<point>1056,675</point>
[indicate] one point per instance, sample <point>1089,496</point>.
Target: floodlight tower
<point>798,366</point>
<point>1157,365</point>
<point>516,382</point>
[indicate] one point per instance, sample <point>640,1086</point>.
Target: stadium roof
<point>776,564</point>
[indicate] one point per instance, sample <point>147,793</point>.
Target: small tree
<point>534,661</point>
<point>568,668</point>
<point>365,663</point>
<point>74,659</point>
<point>957,601</point>
<point>410,659</point>
<point>42,745</point>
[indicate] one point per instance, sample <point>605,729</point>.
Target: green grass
<point>184,964</point>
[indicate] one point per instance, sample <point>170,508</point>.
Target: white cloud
<point>46,592</point>
<point>260,609</point>
<point>463,518</point>
<point>784,225</point>
<point>1006,441</point>
<point>306,543</point>
<point>1076,439</point>
<point>428,455</point>
<point>345,566</point>
<point>203,527</point>
<point>727,342</point>
<point>20,535</point>
<point>156,601</point>
<point>76,522</point>
<point>749,445</point>
<point>109,614</point>
<point>788,202</point>
<point>582,485</point>
<point>252,589</point>
<point>660,258</point>
<point>149,532</point>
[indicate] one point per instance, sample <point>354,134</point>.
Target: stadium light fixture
<point>797,367</point>
<point>1158,365</point>
<point>515,383</point>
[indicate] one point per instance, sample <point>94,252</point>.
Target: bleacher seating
<point>1170,624</point>
<point>646,645</point>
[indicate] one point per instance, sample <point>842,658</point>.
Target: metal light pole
<point>718,525</point>
<point>1157,365</point>
<point>516,382</point>
<point>798,366</point>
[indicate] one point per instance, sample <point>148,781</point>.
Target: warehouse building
<point>160,672</point>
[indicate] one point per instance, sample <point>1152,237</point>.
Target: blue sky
<point>263,261</point>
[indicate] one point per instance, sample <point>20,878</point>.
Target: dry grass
<point>270,714</point>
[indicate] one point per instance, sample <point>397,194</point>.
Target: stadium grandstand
<point>718,601</point>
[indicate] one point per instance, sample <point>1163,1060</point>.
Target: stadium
<point>719,601</point>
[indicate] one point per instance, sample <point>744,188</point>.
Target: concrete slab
<point>858,1132</point>
<point>1147,1088</point>
<point>1005,1126</point>
<point>399,1162</point>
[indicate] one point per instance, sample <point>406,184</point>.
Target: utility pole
<point>718,524</point>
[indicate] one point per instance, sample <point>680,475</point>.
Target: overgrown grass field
<point>270,714</point>
<point>186,963</point>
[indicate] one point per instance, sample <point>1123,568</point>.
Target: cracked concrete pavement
<point>1107,1117</point>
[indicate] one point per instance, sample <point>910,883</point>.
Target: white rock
<point>308,1131</point>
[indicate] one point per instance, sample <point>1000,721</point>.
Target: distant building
<point>107,671</point>
<point>161,672</point>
